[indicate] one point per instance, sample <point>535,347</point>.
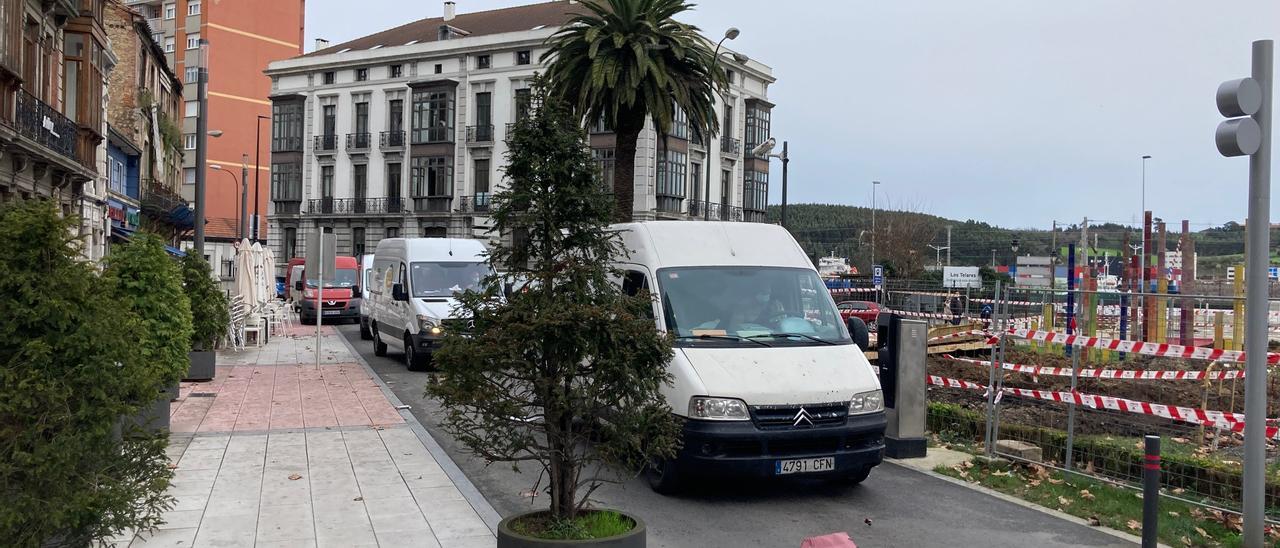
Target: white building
<point>401,133</point>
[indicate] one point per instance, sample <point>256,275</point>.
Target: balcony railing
<point>730,146</point>
<point>714,211</point>
<point>326,143</point>
<point>432,135</point>
<point>511,129</point>
<point>432,204</point>
<point>42,124</point>
<point>355,206</point>
<point>669,204</point>
<point>286,144</point>
<point>358,141</point>
<point>480,134</point>
<point>288,207</point>
<point>481,202</point>
<point>391,139</point>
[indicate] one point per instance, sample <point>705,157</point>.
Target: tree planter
<point>203,365</point>
<point>507,538</point>
<point>154,417</point>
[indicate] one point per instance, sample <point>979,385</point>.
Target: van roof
<point>439,249</point>
<point>702,243</point>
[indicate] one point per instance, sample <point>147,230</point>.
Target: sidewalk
<point>277,452</point>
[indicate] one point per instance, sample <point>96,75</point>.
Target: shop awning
<point>123,234</point>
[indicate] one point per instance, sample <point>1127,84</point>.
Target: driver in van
<point>756,309</point>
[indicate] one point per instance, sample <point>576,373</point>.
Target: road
<point>906,507</point>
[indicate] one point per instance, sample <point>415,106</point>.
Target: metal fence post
<point>1071,412</point>
<point>989,438</point>
<point>1151,493</point>
<point>997,366</point>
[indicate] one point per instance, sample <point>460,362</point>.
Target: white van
<point>412,292</point>
<point>366,279</point>
<point>765,371</point>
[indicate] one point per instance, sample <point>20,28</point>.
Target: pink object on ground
<point>834,540</point>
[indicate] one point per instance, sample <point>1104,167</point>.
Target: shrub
<point>144,280</point>
<point>209,315</point>
<point>68,372</point>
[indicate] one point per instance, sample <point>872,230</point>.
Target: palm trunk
<point>624,166</point>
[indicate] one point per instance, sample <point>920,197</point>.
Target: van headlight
<point>427,324</point>
<point>718,409</point>
<point>866,402</point>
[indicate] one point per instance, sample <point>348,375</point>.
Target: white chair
<point>254,323</point>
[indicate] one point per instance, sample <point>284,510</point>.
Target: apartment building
<point>144,139</point>
<point>53,67</point>
<point>401,133</point>
<point>243,37</point>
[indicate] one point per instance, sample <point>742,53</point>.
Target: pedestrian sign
<point>877,275</point>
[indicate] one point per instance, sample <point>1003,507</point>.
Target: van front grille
<point>777,417</point>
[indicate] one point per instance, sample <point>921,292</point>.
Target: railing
<point>432,135</point>
<point>714,211</point>
<point>511,128</point>
<point>480,134</point>
<point>432,204</point>
<point>670,204</point>
<point>481,202</point>
<point>730,146</point>
<point>355,206</point>
<point>358,141</point>
<point>754,215</point>
<point>288,207</point>
<point>286,144</point>
<point>391,139</point>
<point>326,143</point>
<point>42,124</point>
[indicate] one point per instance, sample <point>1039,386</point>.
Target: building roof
<point>513,19</point>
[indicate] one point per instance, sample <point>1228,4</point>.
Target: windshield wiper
<point>779,335</point>
<point>723,338</point>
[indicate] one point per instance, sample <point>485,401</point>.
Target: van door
<point>400,312</point>
<point>634,281</point>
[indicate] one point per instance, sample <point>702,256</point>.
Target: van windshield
<point>344,277</point>
<point>748,305</point>
<point>445,279</point>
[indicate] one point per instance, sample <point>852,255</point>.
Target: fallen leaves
<point>1055,481</point>
<point>1133,524</point>
<point>1085,494</point>
<point>1181,440</point>
<point>1202,532</point>
<point>1064,501</point>
<point>1185,540</point>
<point>1174,514</point>
<point>1094,521</point>
<point>867,521</point>
<point>295,477</point>
<point>358,499</point>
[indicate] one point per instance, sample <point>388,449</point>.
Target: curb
<point>469,491</point>
<point>1136,540</point>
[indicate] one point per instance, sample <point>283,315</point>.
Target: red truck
<point>340,297</point>
<point>866,311</point>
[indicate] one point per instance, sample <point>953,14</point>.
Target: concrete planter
<point>507,538</point>
<point>203,365</point>
<point>154,417</point>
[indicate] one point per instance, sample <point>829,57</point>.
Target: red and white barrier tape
<point>991,339</point>
<point>1124,374</point>
<point>1216,419</point>
<point>852,290</point>
<point>1137,347</point>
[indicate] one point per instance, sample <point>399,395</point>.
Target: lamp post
<point>763,150</point>
<point>729,34</point>
<point>202,154</point>
<point>1142,215</point>
<point>240,226</point>
<point>874,184</point>
<point>257,172</point>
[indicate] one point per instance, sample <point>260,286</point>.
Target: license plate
<point>332,312</point>
<point>805,466</point>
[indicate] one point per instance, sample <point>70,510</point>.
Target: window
<point>290,243</point>
<point>439,68</point>
<point>431,176</point>
<point>360,183</point>
<point>432,116</point>
<point>395,116</point>
<point>679,123</point>
<point>158,37</point>
<point>228,266</point>
<point>728,122</point>
<point>362,119</point>
<point>362,74</point>
<point>393,185</point>
<point>729,75</point>
<point>170,11</point>
<point>168,44</point>
<point>326,182</point>
<point>192,109</point>
<point>329,77</point>
<point>189,74</point>
<point>482,183</point>
<point>604,158</point>
<point>396,71</point>
<point>286,182</point>
<point>483,62</point>
<point>484,117</point>
<point>189,176</point>
<point>672,170</point>
<point>193,40</point>
<point>755,190</point>
<point>695,180</point>
<point>189,141</point>
<point>393,232</point>
<point>286,127</point>
<point>522,57</point>
<point>522,104</point>
<point>725,179</point>
<point>742,301</point>
<point>757,126</point>
<point>329,119</point>
<point>193,7</point>
<point>357,241</point>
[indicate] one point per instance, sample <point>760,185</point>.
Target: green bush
<point>144,280</point>
<point>209,315</point>
<point>68,373</point>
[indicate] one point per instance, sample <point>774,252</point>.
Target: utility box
<point>901,357</point>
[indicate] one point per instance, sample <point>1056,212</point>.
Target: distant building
<point>402,133</point>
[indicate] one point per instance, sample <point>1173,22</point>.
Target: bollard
<point>1151,493</point>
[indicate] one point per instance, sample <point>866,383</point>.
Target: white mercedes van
<point>366,277</point>
<point>765,373</point>
<point>411,294</point>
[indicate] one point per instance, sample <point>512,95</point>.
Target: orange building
<point>244,36</point>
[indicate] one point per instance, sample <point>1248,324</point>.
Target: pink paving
<point>261,397</point>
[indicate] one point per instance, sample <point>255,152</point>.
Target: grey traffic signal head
<point>1240,97</point>
<point>1238,137</point>
<point>1238,100</point>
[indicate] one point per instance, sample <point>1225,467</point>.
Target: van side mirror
<point>398,293</point>
<point>297,285</point>
<point>506,290</point>
<point>355,291</point>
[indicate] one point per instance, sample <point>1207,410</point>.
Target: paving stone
<point>165,538</point>
<point>285,522</point>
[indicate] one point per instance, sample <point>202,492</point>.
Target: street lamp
<point>257,172</point>
<point>763,150</point>
<point>1142,216</point>
<point>874,184</point>
<point>729,34</point>
<point>243,192</point>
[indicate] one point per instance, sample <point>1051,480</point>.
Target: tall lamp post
<point>257,172</point>
<point>729,34</point>
<point>1142,215</point>
<point>244,191</point>
<point>763,150</point>
<point>202,153</point>
<point>874,184</point>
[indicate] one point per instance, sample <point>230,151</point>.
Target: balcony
<point>358,142</point>
<point>432,204</point>
<point>480,135</point>
<point>288,207</point>
<point>427,135</point>
<point>45,125</point>
<point>730,146</point>
<point>670,204</point>
<point>481,202</point>
<point>511,129</point>
<point>355,206</point>
<point>714,211</point>
<point>326,144</point>
<point>286,144</point>
<point>391,140</point>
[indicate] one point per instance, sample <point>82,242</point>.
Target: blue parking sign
<point>877,275</point>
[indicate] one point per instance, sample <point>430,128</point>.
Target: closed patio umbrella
<point>246,284</point>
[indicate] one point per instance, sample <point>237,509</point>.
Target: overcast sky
<point>1012,112</point>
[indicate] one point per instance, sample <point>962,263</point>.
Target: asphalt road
<point>907,508</point>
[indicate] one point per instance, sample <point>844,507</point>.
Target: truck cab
<point>765,373</point>
<point>339,299</point>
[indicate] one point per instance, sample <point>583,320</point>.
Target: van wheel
<point>664,477</point>
<point>413,359</point>
<point>365,334</point>
<point>379,347</point>
<point>858,330</point>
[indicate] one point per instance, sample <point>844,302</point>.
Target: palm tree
<point>627,61</point>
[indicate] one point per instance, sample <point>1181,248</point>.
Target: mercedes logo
<point>802,416</point>
<point>331,303</point>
